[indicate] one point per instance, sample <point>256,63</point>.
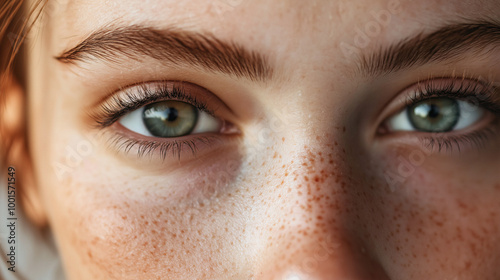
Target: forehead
<point>287,31</point>
<point>241,18</point>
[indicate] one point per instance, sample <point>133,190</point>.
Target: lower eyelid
<point>471,140</point>
<point>134,147</point>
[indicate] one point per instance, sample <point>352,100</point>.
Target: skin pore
<point>303,185</point>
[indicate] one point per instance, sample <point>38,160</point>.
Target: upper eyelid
<point>135,96</point>
<point>481,92</point>
<point>152,96</point>
<point>403,97</point>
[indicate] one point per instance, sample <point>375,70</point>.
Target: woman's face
<point>235,139</point>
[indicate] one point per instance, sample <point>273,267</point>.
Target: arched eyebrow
<point>447,43</point>
<point>178,47</point>
<point>204,51</point>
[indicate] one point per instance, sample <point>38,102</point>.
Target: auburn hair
<point>16,20</point>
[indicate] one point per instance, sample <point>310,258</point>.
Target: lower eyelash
<point>476,140</point>
<point>162,148</point>
<point>482,93</point>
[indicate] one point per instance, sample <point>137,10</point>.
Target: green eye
<point>434,115</point>
<point>170,118</point>
<point>438,115</point>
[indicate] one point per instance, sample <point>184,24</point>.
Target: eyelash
<point>466,90</point>
<point>457,90</point>
<point>141,96</point>
<point>134,98</point>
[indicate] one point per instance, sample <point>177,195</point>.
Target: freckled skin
<point>309,200</point>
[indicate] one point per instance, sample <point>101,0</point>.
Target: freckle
<point>306,178</point>
<point>343,129</point>
<point>462,205</point>
<point>283,139</point>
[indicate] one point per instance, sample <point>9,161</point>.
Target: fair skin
<point>299,189</point>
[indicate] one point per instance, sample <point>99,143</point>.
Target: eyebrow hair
<point>178,47</point>
<point>449,42</point>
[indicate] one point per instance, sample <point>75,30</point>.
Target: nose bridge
<point>308,235</point>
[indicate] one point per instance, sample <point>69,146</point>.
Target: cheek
<point>434,208</point>
<point>167,224</point>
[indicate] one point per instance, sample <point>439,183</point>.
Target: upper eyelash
<point>483,93</point>
<point>142,95</point>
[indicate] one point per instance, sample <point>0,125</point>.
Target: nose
<point>312,230</point>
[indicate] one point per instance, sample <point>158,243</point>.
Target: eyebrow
<point>208,52</point>
<point>179,47</point>
<point>447,43</point>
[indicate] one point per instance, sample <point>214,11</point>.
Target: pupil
<point>172,114</point>
<point>434,111</point>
